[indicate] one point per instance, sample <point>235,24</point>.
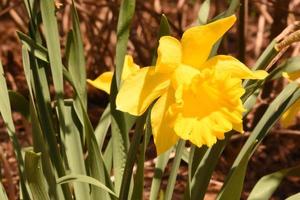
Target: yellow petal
<point>163,134</point>
<point>169,54</point>
<point>233,66</point>
<point>183,75</point>
<point>198,132</point>
<point>102,82</point>
<point>288,117</point>
<point>291,76</point>
<point>140,89</point>
<point>197,41</point>
<point>129,67</point>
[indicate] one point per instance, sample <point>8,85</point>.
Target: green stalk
<point>174,170</point>
<point>131,157</point>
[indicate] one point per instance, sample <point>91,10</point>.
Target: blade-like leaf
<point>84,179</point>
<point>138,188</point>
<point>285,99</point>
<point>19,103</point>
<point>233,188</point>
<point>35,176</point>
<point>131,158</point>
<point>103,126</point>
<point>174,170</point>
<point>36,49</point>
<point>5,110</point>
<point>76,61</point>
<point>121,123</point>
<point>125,16</point>
<point>294,197</point>
<point>2,192</point>
<point>74,150</point>
<point>266,186</point>
<point>160,166</point>
<point>204,12</point>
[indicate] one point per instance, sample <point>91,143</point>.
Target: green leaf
<point>164,29</point>
<point>232,188</point>
<point>5,110</point>
<point>294,197</point>
<point>84,179</point>
<point>95,162</point>
<point>162,160</point>
<point>267,185</point>
<point>161,163</point>
<point>53,46</point>
<point>290,65</point>
<point>138,188</point>
<point>281,103</point>
<point>131,157</point>
<point>103,126</point>
<point>174,170</point>
<point>125,16</point>
<point>76,61</point>
<point>74,150</point>
<point>19,103</point>
<point>36,49</point>
<point>35,74</point>
<point>3,195</point>
<point>35,176</point>
<point>41,145</point>
<point>121,123</point>
<point>204,12</point>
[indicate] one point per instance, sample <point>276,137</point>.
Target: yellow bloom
<point>103,81</point>
<point>197,99</point>
<point>288,118</point>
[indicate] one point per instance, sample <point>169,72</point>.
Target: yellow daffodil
<point>288,118</point>
<point>197,99</point>
<point>103,81</point>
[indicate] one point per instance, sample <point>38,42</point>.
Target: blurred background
<point>259,21</point>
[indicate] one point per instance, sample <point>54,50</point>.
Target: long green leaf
<point>161,163</point>
<point>233,188</point>
<point>5,110</point>
<point>19,103</point>
<point>138,188</point>
<point>125,16</point>
<point>103,126</point>
<point>35,176</point>
<point>174,170</point>
<point>95,163</point>
<point>294,197</point>
<point>39,142</point>
<point>204,12</point>
<point>204,170</point>
<point>164,29</point>
<point>84,179</point>
<point>76,61</point>
<point>131,158</point>
<point>74,150</point>
<point>267,185</point>
<point>285,99</point>
<point>36,49</point>
<point>121,123</point>
<point>2,192</point>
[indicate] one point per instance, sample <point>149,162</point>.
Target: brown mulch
<point>264,21</point>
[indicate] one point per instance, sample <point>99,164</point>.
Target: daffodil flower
<point>288,118</point>
<point>197,99</point>
<point>103,82</point>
